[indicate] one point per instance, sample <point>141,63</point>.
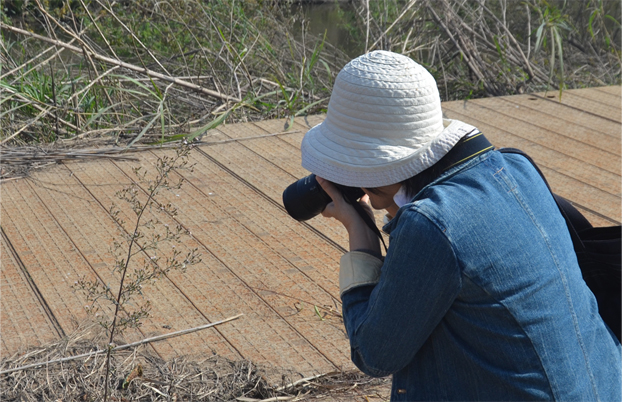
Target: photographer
<point>479,296</point>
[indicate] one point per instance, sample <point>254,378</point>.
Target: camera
<point>305,198</point>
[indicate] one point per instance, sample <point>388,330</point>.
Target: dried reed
<point>141,376</point>
<point>108,74</point>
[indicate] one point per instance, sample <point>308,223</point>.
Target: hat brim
<point>330,155</point>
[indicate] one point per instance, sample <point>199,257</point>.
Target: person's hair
<point>411,186</point>
<point>415,183</point>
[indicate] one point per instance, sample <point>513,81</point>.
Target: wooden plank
<point>86,222</point>
<point>602,97</point>
<point>582,127</point>
<point>615,90</point>
<point>46,252</point>
<point>275,150</point>
<point>25,323</point>
<point>559,168</point>
<point>474,111</point>
<point>590,129</point>
<point>252,241</point>
<point>580,103</point>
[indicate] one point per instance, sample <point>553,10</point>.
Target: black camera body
<point>305,198</point>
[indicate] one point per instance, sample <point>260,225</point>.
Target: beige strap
<point>358,268</point>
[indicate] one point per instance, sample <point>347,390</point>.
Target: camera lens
<point>305,198</point>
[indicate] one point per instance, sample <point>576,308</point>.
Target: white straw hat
<point>384,124</point>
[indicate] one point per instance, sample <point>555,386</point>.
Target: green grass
<point>264,56</point>
<point>241,49</point>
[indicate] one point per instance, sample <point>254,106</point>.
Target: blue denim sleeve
<point>387,323</point>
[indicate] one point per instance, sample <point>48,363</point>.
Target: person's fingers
<point>339,208</point>
<point>364,201</point>
<point>328,211</point>
<point>332,191</point>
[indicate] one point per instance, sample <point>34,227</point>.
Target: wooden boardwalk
<point>258,261</point>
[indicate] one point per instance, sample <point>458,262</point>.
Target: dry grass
<point>139,375</point>
<point>148,71</point>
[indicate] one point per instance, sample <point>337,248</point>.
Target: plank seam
<point>100,204</point>
<point>272,201</point>
<point>551,149</point>
<point>575,108</point>
<point>261,240</point>
<point>33,286</point>
<point>232,272</point>
<point>583,207</point>
<point>542,128</point>
<point>513,102</point>
<point>76,246</point>
<point>198,310</point>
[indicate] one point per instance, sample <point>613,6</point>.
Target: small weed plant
<point>142,239</point>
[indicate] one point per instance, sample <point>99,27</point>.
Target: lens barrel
<point>305,198</point>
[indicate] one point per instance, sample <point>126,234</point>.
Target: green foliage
<point>602,24</point>
<point>554,25</point>
<point>232,47</point>
<point>267,60</point>
<point>65,94</point>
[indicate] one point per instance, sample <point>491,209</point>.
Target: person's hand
<point>361,236</point>
<point>339,208</point>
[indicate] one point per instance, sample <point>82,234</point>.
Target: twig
<point>367,27</point>
<point>31,60</point>
<point>122,64</point>
<point>35,104</point>
<point>245,138</point>
<point>109,10</point>
<point>408,7</point>
<point>97,27</point>
<point>126,346</point>
<point>39,116</point>
<point>307,379</point>
<point>513,39</point>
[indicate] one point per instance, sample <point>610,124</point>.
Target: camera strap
<point>470,146</point>
<point>369,221</point>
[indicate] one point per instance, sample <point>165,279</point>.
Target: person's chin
<point>376,206</point>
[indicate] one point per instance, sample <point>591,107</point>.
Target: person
<point>479,295</point>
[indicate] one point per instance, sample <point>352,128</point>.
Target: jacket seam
<point>564,280</point>
<point>531,343</point>
<point>517,322</point>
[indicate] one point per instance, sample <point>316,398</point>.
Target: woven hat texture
<point>384,124</point>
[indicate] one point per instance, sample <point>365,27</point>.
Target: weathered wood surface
<point>257,260</point>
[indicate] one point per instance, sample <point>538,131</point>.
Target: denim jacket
<point>480,296</point>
